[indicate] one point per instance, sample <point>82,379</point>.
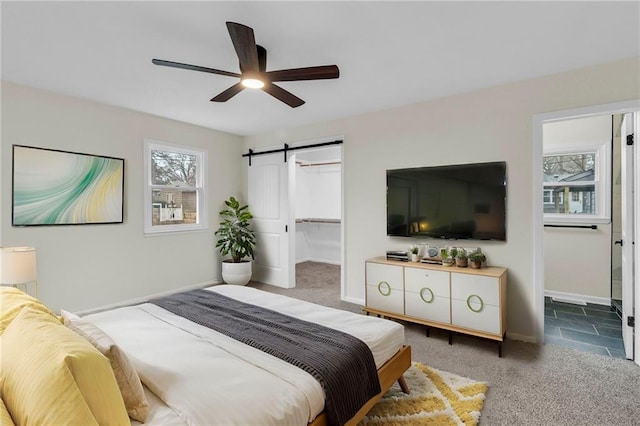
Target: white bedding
<point>204,377</point>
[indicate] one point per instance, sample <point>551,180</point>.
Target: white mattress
<point>203,377</point>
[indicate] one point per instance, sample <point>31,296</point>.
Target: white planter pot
<point>236,273</point>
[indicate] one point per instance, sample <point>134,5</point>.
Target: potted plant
<point>235,238</point>
<point>476,259</point>
<point>447,259</point>
<point>413,250</point>
<point>461,257</point>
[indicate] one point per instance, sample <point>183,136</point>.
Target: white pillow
<point>126,376</point>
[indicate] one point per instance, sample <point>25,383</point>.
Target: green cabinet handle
<point>422,291</point>
<point>387,291</point>
<point>469,304</point>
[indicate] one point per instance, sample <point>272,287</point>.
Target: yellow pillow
<point>12,301</point>
<point>5,417</point>
<point>126,376</point>
<point>50,375</point>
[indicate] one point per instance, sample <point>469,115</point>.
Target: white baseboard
<point>144,299</point>
<point>315,259</point>
<point>580,299</point>
<point>354,300</point>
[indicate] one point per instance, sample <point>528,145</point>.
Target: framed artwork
<point>53,187</point>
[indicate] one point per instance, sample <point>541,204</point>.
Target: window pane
<point>174,206</point>
<point>569,167</point>
<point>571,199</point>
<point>173,169</point>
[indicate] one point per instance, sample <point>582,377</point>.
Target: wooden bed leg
<point>403,385</point>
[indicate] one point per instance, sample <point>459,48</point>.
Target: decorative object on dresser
<point>18,267</point>
<point>448,256</point>
<point>477,258</point>
<point>461,258</point>
<point>468,301</point>
<point>414,253</point>
<point>236,238</point>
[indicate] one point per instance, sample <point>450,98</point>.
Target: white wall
<point>486,125</point>
<point>578,261</point>
<point>318,192</point>
<point>88,266</point>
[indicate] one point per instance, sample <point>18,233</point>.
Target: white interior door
<point>269,204</point>
<point>628,219</point>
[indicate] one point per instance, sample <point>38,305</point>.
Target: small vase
<point>475,264</point>
<point>236,273</point>
<point>448,262</point>
<point>461,263</point>
<point>414,258</point>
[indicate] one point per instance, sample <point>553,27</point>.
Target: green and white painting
<point>52,187</point>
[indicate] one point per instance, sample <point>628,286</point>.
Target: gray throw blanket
<point>341,363</point>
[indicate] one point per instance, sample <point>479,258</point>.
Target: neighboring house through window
<point>175,196</point>
<point>576,184</point>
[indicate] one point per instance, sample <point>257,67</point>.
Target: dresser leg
<point>451,337</point>
<point>499,349</point>
<point>427,332</point>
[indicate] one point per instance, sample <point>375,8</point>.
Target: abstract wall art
<point>53,187</point>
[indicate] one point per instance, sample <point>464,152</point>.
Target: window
<point>175,196</point>
<point>576,185</point>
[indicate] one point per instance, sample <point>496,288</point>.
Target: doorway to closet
<point>296,194</point>
<point>317,207</point>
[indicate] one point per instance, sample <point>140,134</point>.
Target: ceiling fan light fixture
<point>252,83</point>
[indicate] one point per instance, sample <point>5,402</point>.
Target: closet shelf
<point>316,220</point>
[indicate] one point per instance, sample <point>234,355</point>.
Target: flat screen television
<point>463,201</point>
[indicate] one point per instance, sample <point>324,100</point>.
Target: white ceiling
<point>389,53</point>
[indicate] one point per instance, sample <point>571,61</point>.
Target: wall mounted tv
<point>465,201</point>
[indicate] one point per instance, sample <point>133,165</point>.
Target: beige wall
<point>578,261</point>
<point>88,266</point>
<point>486,125</point>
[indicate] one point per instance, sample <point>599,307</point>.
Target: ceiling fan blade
<point>279,93</point>
<point>245,44</point>
<point>229,93</point>
<point>193,67</point>
<point>309,73</point>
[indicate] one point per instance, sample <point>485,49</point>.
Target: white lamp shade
<point>17,265</point>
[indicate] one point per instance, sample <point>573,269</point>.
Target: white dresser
<point>464,300</point>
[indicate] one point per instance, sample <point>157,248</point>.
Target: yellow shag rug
<point>436,398</point>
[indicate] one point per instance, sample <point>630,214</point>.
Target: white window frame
<point>602,181</point>
<point>202,223</point>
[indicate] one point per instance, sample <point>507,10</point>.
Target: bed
<point>192,374</point>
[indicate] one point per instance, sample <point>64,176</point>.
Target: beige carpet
<point>436,398</point>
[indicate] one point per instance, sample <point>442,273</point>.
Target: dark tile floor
<point>588,328</point>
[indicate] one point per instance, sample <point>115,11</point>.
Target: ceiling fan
<point>253,73</point>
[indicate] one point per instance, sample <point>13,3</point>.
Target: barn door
<point>269,203</point>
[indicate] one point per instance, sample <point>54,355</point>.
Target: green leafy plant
<point>461,253</point>
<point>477,256</point>
<point>446,256</point>
<point>235,236</point>
<point>453,252</point>
<point>413,249</point>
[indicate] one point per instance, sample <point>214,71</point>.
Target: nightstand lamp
<point>18,267</point>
